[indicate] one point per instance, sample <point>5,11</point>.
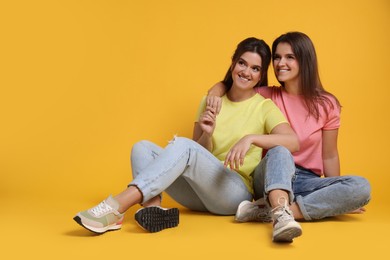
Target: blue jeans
<point>189,173</point>
<point>316,197</point>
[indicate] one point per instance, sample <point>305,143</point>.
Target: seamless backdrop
<point>82,81</point>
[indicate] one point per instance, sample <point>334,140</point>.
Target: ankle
<point>156,201</point>
<point>278,198</point>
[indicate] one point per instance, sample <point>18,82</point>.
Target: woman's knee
<point>180,140</point>
<point>140,147</point>
<point>281,155</point>
<point>280,152</point>
<point>362,189</point>
<point>182,143</point>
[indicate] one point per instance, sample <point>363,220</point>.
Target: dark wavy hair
<point>311,87</point>
<point>255,45</point>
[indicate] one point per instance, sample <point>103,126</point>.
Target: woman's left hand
<point>236,155</point>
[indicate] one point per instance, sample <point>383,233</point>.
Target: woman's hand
<point>207,120</point>
<point>236,155</point>
<point>214,102</point>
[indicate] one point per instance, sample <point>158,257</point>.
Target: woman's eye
<point>256,69</point>
<point>276,57</point>
<point>241,63</point>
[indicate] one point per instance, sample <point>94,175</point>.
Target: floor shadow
<point>340,218</point>
<point>81,233</point>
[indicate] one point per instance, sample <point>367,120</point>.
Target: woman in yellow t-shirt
<point>212,172</point>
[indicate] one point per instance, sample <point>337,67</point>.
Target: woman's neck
<point>293,89</point>
<point>238,95</point>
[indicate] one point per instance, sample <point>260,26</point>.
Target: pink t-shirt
<point>308,129</point>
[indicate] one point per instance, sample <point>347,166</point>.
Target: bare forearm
<point>331,166</point>
<point>290,141</point>
<point>205,141</point>
<point>217,90</point>
<point>330,154</point>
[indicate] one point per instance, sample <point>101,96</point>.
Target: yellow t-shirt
<point>255,115</point>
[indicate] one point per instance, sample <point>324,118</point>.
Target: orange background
<point>82,81</point>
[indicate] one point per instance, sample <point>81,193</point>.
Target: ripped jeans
<point>316,197</point>
<point>189,173</point>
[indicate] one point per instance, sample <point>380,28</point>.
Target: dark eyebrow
<point>255,66</point>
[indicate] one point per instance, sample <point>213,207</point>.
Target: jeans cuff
<point>281,187</point>
<point>299,201</point>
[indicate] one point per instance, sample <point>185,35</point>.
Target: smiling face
<point>286,66</point>
<point>246,73</point>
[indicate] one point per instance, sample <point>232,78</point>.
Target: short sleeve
<point>333,118</point>
<point>272,115</point>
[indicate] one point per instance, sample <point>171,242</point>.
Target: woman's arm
<point>330,155</point>
<point>204,128</point>
<point>217,90</point>
<point>214,96</point>
<point>281,134</point>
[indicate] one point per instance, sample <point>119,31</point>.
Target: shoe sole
<point>97,230</point>
<point>287,235</point>
<point>155,219</point>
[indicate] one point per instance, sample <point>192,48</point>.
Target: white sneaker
<point>285,226</point>
<point>257,211</point>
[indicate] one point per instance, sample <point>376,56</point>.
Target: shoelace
<point>101,209</point>
<point>281,216</point>
<point>278,211</point>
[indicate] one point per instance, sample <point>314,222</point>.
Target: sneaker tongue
<point>113,203</point>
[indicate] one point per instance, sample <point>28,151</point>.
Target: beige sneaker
<point>101,218</point>
<point>257,211</point>
<point>285,227</point>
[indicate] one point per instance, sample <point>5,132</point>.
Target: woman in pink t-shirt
<point>292,185</point>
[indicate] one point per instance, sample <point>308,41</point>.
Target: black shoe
<point>155,219</point>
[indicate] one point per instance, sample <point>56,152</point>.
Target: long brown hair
<point>255,45</point>
<point>313,92</point>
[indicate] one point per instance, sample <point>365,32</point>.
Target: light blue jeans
<point>189,173</point>
<point>316,197</point>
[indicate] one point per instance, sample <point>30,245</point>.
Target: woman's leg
<point>219,189</point>
<point>274,174</point>
<point>143,153</point>
<point>319,198</point>
<point>273,178</point>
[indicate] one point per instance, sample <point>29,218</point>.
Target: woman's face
<point>286,66</point>
<point>247,71</point>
